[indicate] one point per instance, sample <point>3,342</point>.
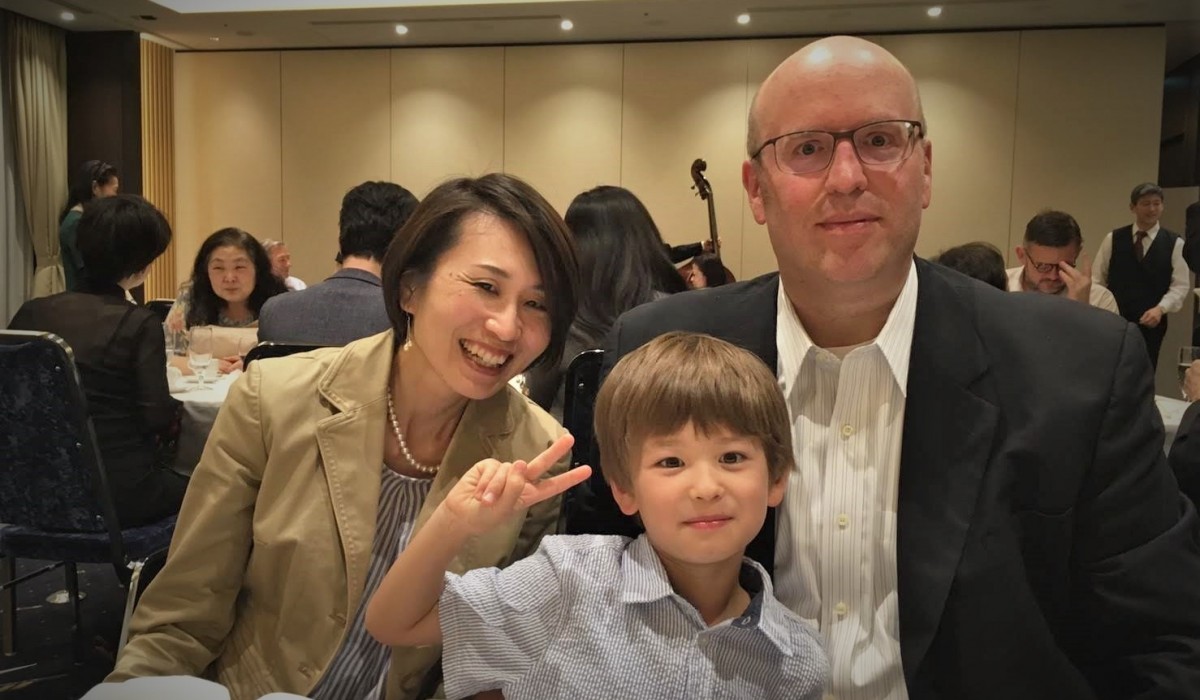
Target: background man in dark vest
<point>1142,265</point>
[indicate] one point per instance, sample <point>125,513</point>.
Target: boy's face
<point>702,498</point>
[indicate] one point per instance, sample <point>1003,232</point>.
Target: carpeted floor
<point>42,668</point>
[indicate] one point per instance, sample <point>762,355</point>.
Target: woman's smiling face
<point>480,318</point>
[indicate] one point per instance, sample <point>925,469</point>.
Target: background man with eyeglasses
<point>1142,265</point>
<point>981,506</point>
<point>1053,262</point>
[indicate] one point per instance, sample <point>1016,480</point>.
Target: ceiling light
<point>935,11</point>
<point>743,18</point>
<point>67,15</point>
<point>214,38</point>
<point>567,25</point>
<point>402,29</point>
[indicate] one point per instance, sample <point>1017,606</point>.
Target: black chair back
<point>264,351</point>
<point>51,475</point>
<point>581,384</point>
<point>160,307</point>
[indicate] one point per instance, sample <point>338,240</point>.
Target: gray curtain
<point>16,255</point>
<point>37,68</point>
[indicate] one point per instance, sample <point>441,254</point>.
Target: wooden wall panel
<point>228,164</point>
<point>684,101</point>
<point>336,122</point>
<point>562,118</point>
<point>447,115</point>
<point>158,154</point>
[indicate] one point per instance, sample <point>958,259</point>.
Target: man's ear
<point>1021,254</point>
<point>753,191</point>
<point>625,500</point>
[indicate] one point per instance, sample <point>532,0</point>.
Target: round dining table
<point>200,407</point>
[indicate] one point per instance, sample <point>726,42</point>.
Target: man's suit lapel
<point>949,428</point>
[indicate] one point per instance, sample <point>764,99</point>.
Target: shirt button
<point>843,521</point>
<point>840,610</point>
<point>847,430</point>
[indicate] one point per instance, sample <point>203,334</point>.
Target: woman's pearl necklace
<point>422,468</point>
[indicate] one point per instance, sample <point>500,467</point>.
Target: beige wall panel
<point>562,118</point>
<point>336,129</point>
<point>1088,121</point>
<point>968,85</point>
<point>447,115</point>
<point>684,101</point>
<point>1089,112</point>
<point>227,152</point>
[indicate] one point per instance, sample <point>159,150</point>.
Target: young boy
<point>695,439</point>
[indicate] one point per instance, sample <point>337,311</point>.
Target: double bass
<point>704,191</point>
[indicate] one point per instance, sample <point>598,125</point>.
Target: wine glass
<point>1187,355</point>
<point>200,345</point>
<point>245,343</point>
<point>169,340</point>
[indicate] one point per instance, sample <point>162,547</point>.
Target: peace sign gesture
<point>492,491</point>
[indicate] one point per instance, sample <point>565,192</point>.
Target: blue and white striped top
<point>359,669</point>
<point>592,616</point>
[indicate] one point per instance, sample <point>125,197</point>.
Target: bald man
<point>980,507</point>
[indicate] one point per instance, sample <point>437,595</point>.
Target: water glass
<point>1187,355</point>
<point>200,346</point>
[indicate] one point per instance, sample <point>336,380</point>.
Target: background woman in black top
<point>120,351</point>
<point>621,264</point>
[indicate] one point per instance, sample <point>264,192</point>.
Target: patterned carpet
<point>42,668</point>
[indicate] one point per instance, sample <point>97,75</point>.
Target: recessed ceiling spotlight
<point>214,38</point>
<point>743,18</point>
<point>567,25</point>
<point>935,11</point>
<point>67,15</point>
<point>402,29</point>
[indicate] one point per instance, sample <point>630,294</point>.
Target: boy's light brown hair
<point>680,377</point>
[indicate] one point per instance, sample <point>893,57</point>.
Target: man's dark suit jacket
<point>1185,453</point>
<point>1043,547</point>
<point>347,306</point>
<point>121,355</point>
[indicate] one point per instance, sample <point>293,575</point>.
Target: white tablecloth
<point>200,408</point>
<point>1172,412</point>
<point>175,687</point>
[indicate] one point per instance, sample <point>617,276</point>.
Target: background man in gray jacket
<point>349,304</point>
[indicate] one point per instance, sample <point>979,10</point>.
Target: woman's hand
<point>225,365</point>
<point>492,491</point>
<point>175,320</point>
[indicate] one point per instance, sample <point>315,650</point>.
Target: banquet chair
<point>55,503</point>
<point>160,307</point>
<point>267,350</point>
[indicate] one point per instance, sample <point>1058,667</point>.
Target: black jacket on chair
<point>1043,547</point>
<point>121,355</point>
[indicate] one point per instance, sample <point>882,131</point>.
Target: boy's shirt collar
<point>644,580</point>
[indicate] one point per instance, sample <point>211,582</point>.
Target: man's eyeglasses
<point>877,143</point>
<point>1048,267</point>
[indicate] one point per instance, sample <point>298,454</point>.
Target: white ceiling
<point>277,24</point>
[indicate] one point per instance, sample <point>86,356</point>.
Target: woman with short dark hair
<point>120,352</point>
<point>95,178</point>
<point>322,465</point>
